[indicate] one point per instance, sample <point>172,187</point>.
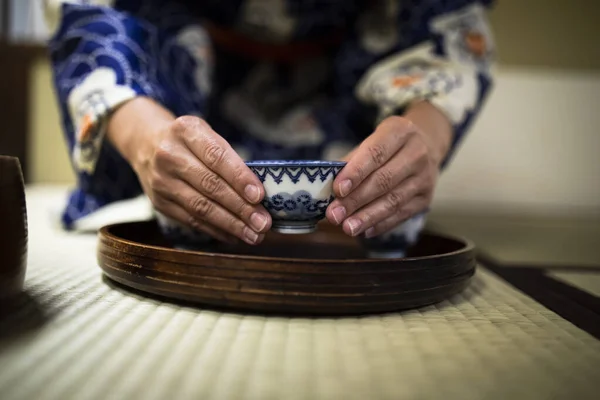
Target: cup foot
<point>298,228</point>
<point>387,254</point>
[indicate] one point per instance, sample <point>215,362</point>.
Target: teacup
<point>395,243</point>
<point>297,193</point>
<point>182,236</point>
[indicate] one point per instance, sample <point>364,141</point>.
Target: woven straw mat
<point>74,336</point>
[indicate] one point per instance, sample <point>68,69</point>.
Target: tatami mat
<point>76,337</point>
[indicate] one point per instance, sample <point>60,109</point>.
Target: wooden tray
<point>321,273</point>
<point>13,228</point>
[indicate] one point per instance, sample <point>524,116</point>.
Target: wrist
<point>434,126</point>
<point>135,126</point>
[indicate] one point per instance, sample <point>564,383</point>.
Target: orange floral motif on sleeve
<point>86,128</point>
<point>405,80</point>
<point>475,42</point>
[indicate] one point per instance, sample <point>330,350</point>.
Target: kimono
<point>278,79</point>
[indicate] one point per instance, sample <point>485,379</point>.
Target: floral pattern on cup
<point>297,207</point>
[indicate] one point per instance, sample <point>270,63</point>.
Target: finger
<point>375,151</point>
<point>205,210</point>
<point>179,162</point>
<point>219,156</point>
<point>176,212</point>
<point>392,203</point>
<point>411,159</point>
<point>215,188</point>
<point>419,204</point>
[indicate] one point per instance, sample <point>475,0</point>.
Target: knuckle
<point>200,206</point>
<point>395,201</point>
<point>182,125</point>
<point>407,125</point>
<point>400,127</point>
<point>215,155</point>
<point>241,172</point>
<point>421,153</point>
<point>233,226</point>
<point>361,172</point>
<point>404,214</point>
<point>195,224</point>
<point>351,203</point>
<point>164,153</point>
<point>159,204</point>
<point>378,154</point>
<point>210,183</point>
<point>397,121</point>
<point>156,181</point>
<point>429,184</point>
<point>243,209</point>
<point>188,127</point>
<point>414,186</point>
<point>368,217</point>
<point>384,180</point>
<point>237,227</point>
<point>426,182</point>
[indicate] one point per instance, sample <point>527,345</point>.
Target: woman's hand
<point>391,176</point>
<point>189,172</point>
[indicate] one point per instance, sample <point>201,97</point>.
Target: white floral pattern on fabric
<point>196,42</point>
<point>449,82</point>
<point>53,8</point>
<point>419,74</point>
<point>88,104</point>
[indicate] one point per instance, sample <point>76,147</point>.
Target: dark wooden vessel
<point>13,228</point>
<point>321,273</point>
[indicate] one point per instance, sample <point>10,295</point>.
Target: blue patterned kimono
<point>279,79</point>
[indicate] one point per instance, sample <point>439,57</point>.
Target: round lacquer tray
<point>325,272</point>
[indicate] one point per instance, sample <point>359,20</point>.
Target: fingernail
<point>251,236</point>
<point>345,187</point>
<point>354,226</point>
<point>252,193</point>
<point>369,233</point>
<point>258,221</point>
<point>339,213</point>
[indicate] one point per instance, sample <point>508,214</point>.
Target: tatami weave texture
<point>74,336</point>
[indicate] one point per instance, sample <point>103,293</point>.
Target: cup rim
<point>295,163</point>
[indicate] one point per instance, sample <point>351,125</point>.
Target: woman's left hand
<point>390,177</point>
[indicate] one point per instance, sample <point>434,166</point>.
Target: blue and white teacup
<point>297,193</point>
<point>181,236</point>
<point>395,243</point>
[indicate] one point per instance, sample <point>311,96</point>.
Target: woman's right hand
<point>189,172</point>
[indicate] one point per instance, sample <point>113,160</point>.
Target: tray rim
<point>166,277</point>
<point>105,234</point>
